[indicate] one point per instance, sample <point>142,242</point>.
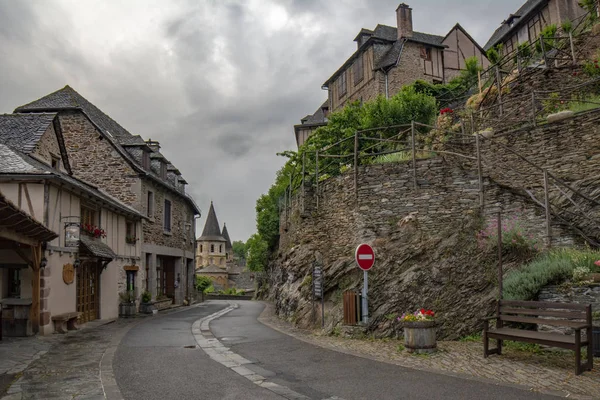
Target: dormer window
<point>55,163</point>
<point>146,160</point>
<point>163,170</point>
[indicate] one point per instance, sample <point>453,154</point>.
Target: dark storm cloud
<point>219,83</point>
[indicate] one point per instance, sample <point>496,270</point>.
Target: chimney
<point>153,144</point>
<point>404,18</point>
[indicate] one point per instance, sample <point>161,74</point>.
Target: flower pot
<point>127,310</point>
<point>419,336</point>
<point>147,308</point>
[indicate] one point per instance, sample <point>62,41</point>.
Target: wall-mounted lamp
<point>76,263</point>
<point>43,263</point>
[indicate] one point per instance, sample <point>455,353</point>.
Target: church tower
<point>228,245</point>
<point>211,246</point>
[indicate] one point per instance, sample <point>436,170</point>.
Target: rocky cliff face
<point>445,272</point>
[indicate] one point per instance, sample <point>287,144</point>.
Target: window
<point>130,281</point>
<point>130,234</point>
<point>426,53</point>
<point>150,204</point>
<point>342,84</point>
<point>167,216</point>
<point>88,216</point>
<point>358,70</point>
<point>158,276</point>
<point>163,170</point>
<point>146,160</point>
<point>55,162</point>
<point>212,248</point>
<point>220,248</point>
<point>148,261</point>
<point>201,250</point>
<point>14,282</point>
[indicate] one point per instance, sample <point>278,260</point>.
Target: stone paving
<point>546,371</point>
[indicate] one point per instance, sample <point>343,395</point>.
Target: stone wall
<point>47,147</point>
<point>181,213</point>
<point>583,294</point>
<point>95,160</point>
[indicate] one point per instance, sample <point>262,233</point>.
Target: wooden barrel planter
<point>419,336</point>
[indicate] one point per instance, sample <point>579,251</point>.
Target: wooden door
<point>87,291</point>
<point>169,274</point>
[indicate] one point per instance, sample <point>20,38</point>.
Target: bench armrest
<point>580,327</point>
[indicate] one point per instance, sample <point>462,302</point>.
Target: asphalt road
<point>320,374</point>
<point>152,362</point>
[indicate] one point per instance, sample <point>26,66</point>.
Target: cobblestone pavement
<point>548,372</point>
<point>62,366</point>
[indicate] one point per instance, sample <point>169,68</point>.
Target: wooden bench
<point>69,319</point>
<point>578,317</point>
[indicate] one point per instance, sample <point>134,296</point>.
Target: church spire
<point>211,227</point>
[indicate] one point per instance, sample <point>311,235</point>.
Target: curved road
<point>159,359</point>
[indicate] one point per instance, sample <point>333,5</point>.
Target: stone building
<point>527,23</point>
<point>211,247</point>
<point>90,259</point>
<point>388,58</point>
<point>136,173</point>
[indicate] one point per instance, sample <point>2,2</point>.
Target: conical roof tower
<point>228,245</point>
<point>211,230</point>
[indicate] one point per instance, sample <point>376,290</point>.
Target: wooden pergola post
<point>34,313</point>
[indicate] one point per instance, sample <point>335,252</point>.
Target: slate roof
<point>212,230</point>
<point>96,247</point>
<point>13,162</point>
<point>211,269</point>
<point>24,131</point>
<point>225,235</point>
<point>318,118</point>
<point>68,98</point>
<point>389,35</point>
<point>521,15</point>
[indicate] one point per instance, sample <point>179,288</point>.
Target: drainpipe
<point>387,94</point>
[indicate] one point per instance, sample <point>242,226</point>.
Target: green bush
<point>591,7</point>
<point>202,283</point>
<point>551,268</point>
<point>146,296</point>
<point>567,26</point>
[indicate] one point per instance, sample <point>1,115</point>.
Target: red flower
<point>446,110</point>
<point>597,263</point>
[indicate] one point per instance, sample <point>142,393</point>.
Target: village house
<point>526,25</point>
<point>135,172</point>
<point>388,58</point>
<point>77,273</point>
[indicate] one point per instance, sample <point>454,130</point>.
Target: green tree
<point>202,283</point>
<point>258,253</point>
<point>239,249</point>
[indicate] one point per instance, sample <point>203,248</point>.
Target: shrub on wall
<point>202,283</point>
<point>552,268</point>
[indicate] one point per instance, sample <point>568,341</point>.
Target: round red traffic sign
<point>365,256</point>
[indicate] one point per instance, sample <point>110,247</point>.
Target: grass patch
<point>476,337</point>
<point>524,347</point>
<point>401,156</point>
<point>585,105</point>
<point>400,348</point>
<point>551,268</point>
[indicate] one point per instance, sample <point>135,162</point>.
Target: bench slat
<point>544,313</point>
<point>544,305</point>
<point>549,339</point>
<point>544,321</point>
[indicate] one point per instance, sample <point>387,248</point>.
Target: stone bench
<point>66,321</point>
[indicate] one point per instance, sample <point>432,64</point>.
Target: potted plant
<point>146,306</point>
<point>419,331</point>
<point>127,304</point>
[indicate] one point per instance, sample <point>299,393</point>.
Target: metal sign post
<point>318,290</point>
<point>365,258</point>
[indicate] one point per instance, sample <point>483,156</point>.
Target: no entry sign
<point>365,257</point>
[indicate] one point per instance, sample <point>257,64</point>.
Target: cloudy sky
<point>220,83</point>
